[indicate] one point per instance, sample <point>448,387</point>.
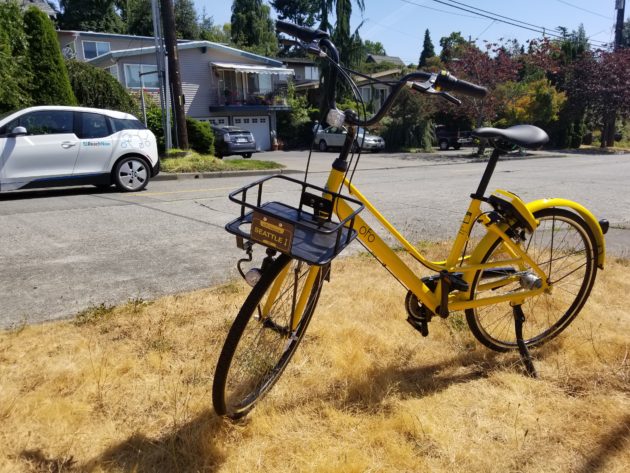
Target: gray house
<point>221,84</point>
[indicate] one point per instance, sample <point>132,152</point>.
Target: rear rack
<point>305,231</point>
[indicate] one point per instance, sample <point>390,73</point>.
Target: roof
<point>377,75</point>
<point>113,35</point>
<point>380,59</point>
<point>112,56</point>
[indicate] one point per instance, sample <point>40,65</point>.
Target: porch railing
<point>223,96</point>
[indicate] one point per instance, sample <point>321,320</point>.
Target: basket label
<point>272,232</point>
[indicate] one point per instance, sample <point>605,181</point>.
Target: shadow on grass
<point>616,440</point>
<point>189,448</point>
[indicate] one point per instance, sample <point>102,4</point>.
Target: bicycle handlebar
<point>432,83</point>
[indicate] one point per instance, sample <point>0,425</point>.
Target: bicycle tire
<point>571,273</point>
<point>245,372</point>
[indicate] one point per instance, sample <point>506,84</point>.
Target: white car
<point>334,137</point>
<point>57,146</point>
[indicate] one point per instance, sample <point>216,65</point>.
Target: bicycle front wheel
<point>564,248</point>
<point>265,334</point>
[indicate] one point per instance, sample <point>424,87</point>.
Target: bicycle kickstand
<point>519,318</point>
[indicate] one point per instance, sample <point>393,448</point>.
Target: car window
<point>119,124</point>
<point>47,122</point>
<point>93,125</point>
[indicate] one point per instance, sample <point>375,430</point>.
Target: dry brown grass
<point>128,389</point>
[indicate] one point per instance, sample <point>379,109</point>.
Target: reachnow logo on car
<point>96,143</point>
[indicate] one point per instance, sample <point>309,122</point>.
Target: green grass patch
<point>195,162</point>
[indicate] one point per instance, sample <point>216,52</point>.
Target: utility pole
<point>162,75</point>
<point>175,80</point>
<point>620,5</point>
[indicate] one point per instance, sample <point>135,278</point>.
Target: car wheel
<point>443,145</point>
<point>323,146</point>
<point>131,174</point>
<point>247,155</point>
<point>457,146</point>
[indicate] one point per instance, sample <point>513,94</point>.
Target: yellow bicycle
<point>537,261</point>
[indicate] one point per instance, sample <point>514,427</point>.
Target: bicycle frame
<point>454,262</point>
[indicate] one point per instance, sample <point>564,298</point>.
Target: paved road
<point>65,250</point>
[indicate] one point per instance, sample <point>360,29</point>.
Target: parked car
<point>447,138</point>
<point>334,137</point>
<point>231,140</point>
<point>58,146</point>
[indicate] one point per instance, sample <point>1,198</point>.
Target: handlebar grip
<point>450,83</point>
<point>301,32</point>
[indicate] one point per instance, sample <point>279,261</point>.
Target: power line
<point>584,9</point>
<point>493,16</point>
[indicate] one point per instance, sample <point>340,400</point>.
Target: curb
<point>218,174</point>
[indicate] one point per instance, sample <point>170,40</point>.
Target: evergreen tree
<point>428,51</point>
<point>252,27</point>
<point>50,83</point>
<point>95,87</point>
<point>15,74</point>
<point>90,15</point>
<point>186,19</point>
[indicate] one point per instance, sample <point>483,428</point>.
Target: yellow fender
<point>588,217</point>
<point>484,245</point>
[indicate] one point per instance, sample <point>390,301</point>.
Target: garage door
<point>218,121</point>
<point>259,126</point>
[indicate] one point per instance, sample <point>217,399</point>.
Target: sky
<point>400,24</point>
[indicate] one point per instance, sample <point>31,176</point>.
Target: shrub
<point>50,83</point>
<point>200,136</point>
<point>15,73</point>
<point>95,87</point>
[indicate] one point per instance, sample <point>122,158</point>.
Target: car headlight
<point>227,137</point>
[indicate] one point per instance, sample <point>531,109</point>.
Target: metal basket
<point>306,231</point>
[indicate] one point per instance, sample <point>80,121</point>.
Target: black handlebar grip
<point>450,83</point>
<point>301,32</point>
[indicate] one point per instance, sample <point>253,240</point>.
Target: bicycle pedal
<point>421,326</point>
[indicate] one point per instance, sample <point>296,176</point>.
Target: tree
<point>90,15</point>
<point>300,12</point>
<point>625,34</point>
<point>252,27</point>
<point>139,18</point>
<point>452,46</point>
<point>374,47</point>
<point>50,83</point>
<point>208,31</point>
<point>601,81</point>
<point>428,51</point>
<point>186,19</point>
<point>95,87</point>
<point>15,73</point>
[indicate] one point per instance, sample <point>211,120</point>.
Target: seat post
<point>487,174</point>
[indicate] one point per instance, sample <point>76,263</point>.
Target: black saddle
<point>527,136</point>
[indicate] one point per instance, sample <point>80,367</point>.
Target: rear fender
<point>486,242</point>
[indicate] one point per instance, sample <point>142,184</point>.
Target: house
<point>221,84</point>
<point>376,59</point>
<point>376,93</point>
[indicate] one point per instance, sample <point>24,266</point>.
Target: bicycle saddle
<point>528,136</point>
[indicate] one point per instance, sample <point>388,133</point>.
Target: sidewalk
<point>295,161</point>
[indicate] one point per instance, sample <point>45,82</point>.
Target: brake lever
<point>449,97</point>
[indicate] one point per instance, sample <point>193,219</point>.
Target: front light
<point>227,137</point>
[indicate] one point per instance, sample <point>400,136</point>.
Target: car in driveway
<point>50,146</point>
<point>449,138</point>
<point>334,137</point>
<point>230,140</point>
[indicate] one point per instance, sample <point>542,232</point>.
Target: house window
<point>311,73</point>
<point>92,49</point>
<point>132,76</point>
<point>113,71</point>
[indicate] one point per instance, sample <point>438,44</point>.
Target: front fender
<point>588,217</point>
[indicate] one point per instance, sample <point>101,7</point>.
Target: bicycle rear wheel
<point>265,334</point>
<point>564,248</point>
